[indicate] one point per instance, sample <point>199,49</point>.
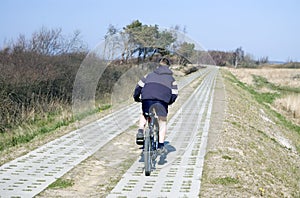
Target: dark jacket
<point>157,85</point>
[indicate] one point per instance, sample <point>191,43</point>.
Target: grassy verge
<point>267,98</point>
<point>42,125</point>
<point>250,157</point>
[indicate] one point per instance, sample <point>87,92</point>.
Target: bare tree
<point>47,42</point>
<point>53,42</point>
<point>73,45</point>
<point>238,56</point>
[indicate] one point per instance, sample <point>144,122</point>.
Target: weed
<point>236,124</point>
<point>133,127</point>
<point>227,157</point>
<point>62,183</point>
<point>104,107</point>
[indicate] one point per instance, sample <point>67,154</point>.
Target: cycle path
<point>178,173</point>
<point>30,174</point>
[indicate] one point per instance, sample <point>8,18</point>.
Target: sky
<point>263,28</point>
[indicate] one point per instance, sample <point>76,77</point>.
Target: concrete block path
<point>30,174</point>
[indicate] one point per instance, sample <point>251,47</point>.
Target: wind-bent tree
<point>146,38</point>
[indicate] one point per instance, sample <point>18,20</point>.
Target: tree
<point>112,30</point>
<point>263,60</point>
<point>219,57</point>
<point>238,56</point>
<point>165,39</point>
<point>142,35</point>
<point>47,42</point>
<point>186,49</point>
<point>145,38</point>
<point>111,42</point>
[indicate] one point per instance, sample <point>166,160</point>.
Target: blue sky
<point>261,27</point>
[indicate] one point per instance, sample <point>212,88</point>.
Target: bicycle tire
<point>147,153</point>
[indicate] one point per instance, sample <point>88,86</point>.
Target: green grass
<point>266,99</point>
<point>42,125</point>
<point>62,183</point>
<point>261,82</point>
<point>226,157</point>
<point>236,124</point>
<point>104,107</point>
<point>262,98</point>
<point>38,128</point>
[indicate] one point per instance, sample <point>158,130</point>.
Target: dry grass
<point>288,105</point>
<point>253,154</point>
<point>283,77</point>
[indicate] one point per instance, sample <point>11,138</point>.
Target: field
<point>285,82</point>
<point>283,77</point>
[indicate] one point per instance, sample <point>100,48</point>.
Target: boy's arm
<point>138,89</point>
<point>174,92</point>
<point>137,93</point>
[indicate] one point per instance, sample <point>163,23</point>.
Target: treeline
<point>236,58</point>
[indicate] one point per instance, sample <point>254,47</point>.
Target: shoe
<point>140,137</point>
<point>161,150</point>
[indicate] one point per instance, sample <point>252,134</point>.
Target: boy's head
<point>164,61</point>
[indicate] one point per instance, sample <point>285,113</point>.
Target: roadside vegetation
<point>61,183</point>
<point>278,89</point>
<point>256,151</point>
<point>37,77</point>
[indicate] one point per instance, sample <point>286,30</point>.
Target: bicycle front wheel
<point>147,153</point>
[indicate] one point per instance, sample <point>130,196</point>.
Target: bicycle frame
<point>150,142</point>
<point>153,127</point>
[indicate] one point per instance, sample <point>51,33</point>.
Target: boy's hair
<point>164,61</point>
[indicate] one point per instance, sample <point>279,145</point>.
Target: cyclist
<point>158,89</point>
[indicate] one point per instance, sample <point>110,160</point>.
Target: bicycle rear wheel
<point>147,153</point>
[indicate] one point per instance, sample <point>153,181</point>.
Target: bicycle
<point>150,141</point>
